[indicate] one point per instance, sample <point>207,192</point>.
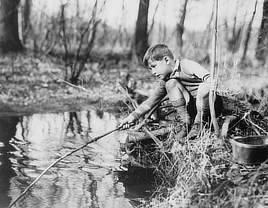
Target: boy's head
<point>160,60</point>
<point>157,53</point>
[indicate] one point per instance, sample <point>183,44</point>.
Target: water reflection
<point>137,182</point>
<point>29,144</point>
<point>7,131</point>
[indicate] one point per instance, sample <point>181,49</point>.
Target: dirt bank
<point>33,85</point>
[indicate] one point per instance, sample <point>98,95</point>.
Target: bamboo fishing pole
<point>213,71</point>
<point>58,160</point>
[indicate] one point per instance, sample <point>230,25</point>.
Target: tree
<point>141,34</point>
<point>249,32</point>
<point>9,34</point>
<point>262,48</point>
<point>26,24</point>
<point>234,39</point>
<point>77,55</point>
<point>180,25</point>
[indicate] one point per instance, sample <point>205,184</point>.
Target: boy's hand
<point>127,122</point>
<point>213,84</point>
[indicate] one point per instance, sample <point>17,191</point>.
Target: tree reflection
<point>40,139</point>
<point>138,182</point>
<point>74,121</point>
<point>7,131</point>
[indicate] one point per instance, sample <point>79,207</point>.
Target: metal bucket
<point>250,150</point>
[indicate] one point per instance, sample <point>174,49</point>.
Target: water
<point>29,144</point>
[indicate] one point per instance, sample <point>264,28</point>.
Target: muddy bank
<point>31,85</point>
<point>71,100</point>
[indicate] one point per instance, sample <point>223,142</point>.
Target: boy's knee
<point>171,84</point>
<point>203,90</point>
<point>176,90</point>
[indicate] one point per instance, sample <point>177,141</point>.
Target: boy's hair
<point>156,53</point>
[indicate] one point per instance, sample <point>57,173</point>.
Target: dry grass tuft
<point>202,173</point>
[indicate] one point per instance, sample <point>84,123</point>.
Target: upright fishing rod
<point>214,67</point>
<point>58,160</point>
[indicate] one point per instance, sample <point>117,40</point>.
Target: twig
<point>156,140</point>
<point>226,128</point>
<point>75,86</point>
<point>257,173</point>
<point>256,127</point>
<point>145,120</point>
<point>226,125</point>
<point>58,160</point>
<point>125,93</point>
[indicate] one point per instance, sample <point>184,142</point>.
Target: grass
<point>203,173</point>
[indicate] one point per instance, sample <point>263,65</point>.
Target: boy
<point>185,82</point>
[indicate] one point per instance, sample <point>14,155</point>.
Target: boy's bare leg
<point>179,98</point>
<point>203,112</point>
<point>177,91</point>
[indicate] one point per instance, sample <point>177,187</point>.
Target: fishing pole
<point>58,160</point>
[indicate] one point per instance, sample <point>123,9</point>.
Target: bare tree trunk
<point>180,26</point>
<point>262,47</point>
<point>26,24</point>
<point>141,34</point>
<point>249,33</point>
<point>209,26</point>
<point>235,40</point>
<point>91,31</point>
<point>121,28</point>
<point>63,36</point>
<point>9,34</point>
<point>77,71</point>
<point>153,19</point>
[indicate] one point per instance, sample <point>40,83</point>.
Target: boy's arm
<point>199,71</point>
<point>158,94</point>
<point>195,69</point>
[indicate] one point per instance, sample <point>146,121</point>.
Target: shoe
<point>194,131</point>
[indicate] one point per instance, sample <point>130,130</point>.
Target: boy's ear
<point>167,59</point>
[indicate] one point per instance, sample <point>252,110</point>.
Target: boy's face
<point>161,69</point>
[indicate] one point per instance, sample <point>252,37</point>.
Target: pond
<point>92,177</point>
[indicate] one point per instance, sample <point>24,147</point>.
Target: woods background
<point>119,31</point>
